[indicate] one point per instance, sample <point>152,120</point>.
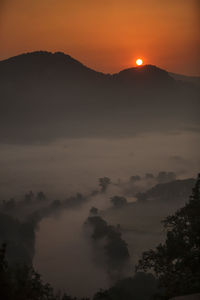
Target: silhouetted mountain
<point>195,80</point>
<point>46,64</point>
<point>51,65</point>
<point>45,96</point>
<point>148,75</point>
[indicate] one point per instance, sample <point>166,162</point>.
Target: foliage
<point>104,183</point>
<point>135,178</point>
<point>164,177</point>
<point>114,247</point>
<point>22,282</point>
<point>140,287</point>
<point>118,201</point>
<point>20,238</point>
<point>94,211</point>
<point>176,263</point>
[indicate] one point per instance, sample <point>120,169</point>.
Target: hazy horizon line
<point>103,72</point>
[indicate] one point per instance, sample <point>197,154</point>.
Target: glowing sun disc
<point>139,61</point>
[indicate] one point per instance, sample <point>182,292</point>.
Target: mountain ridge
<point>45,96</point>
<point>67,60</point>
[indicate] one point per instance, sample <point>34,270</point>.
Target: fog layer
<point>74,165</point>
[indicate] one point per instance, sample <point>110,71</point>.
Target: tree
<point>149,176</point>
<point>41,196</point>
<point>94,211</point>
<point>118,201</point>
<point>164,177</point>
<point>139,287</point>
<point>176,262</point>
<point>112,245</point>
<point>10,204</point>
<point>28,197</point>
<point>21,282</point>
<point>104,183</point>
<point>135,178</point>
<point>4,276</point>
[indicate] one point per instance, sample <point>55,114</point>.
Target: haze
<point>106,35</point>
<point>95,152</point>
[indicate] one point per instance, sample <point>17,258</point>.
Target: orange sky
<point>107,35</point>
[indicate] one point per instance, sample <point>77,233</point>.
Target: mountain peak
<point>43,56</point>
<point>146,73</point>
<point>57,64</point>
<point>145,69</point>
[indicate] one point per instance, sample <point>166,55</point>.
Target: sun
<point>139,62</point>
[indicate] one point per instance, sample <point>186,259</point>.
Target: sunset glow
<point>105,35</point>
<point>139,62</point>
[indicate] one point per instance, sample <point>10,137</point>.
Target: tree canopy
<point>176,262</point>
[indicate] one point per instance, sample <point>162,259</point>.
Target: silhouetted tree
<point>21,282</point>
<point>164,177</point>
<point>94,211</point>
<point>104,183</point>
<point>149,176</point>
<point>118,201</point>
<point>20,238</point>
<point>28,197</point>
<point>141,197</point>
<point>135,178</point>
<point>114,247</point>
<point>10,204</point>
<point>40,196</point>
<point>176,263</point>
<point>139,287</point>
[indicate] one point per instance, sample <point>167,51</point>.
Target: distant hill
<point>147,74</point>
<point>190,79</point>
<point>174,191</point>
<point>45,96</point>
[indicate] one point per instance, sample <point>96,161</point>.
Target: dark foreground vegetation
<point>176,262</point>
<point>172,269</point>
<point>113,247</point>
